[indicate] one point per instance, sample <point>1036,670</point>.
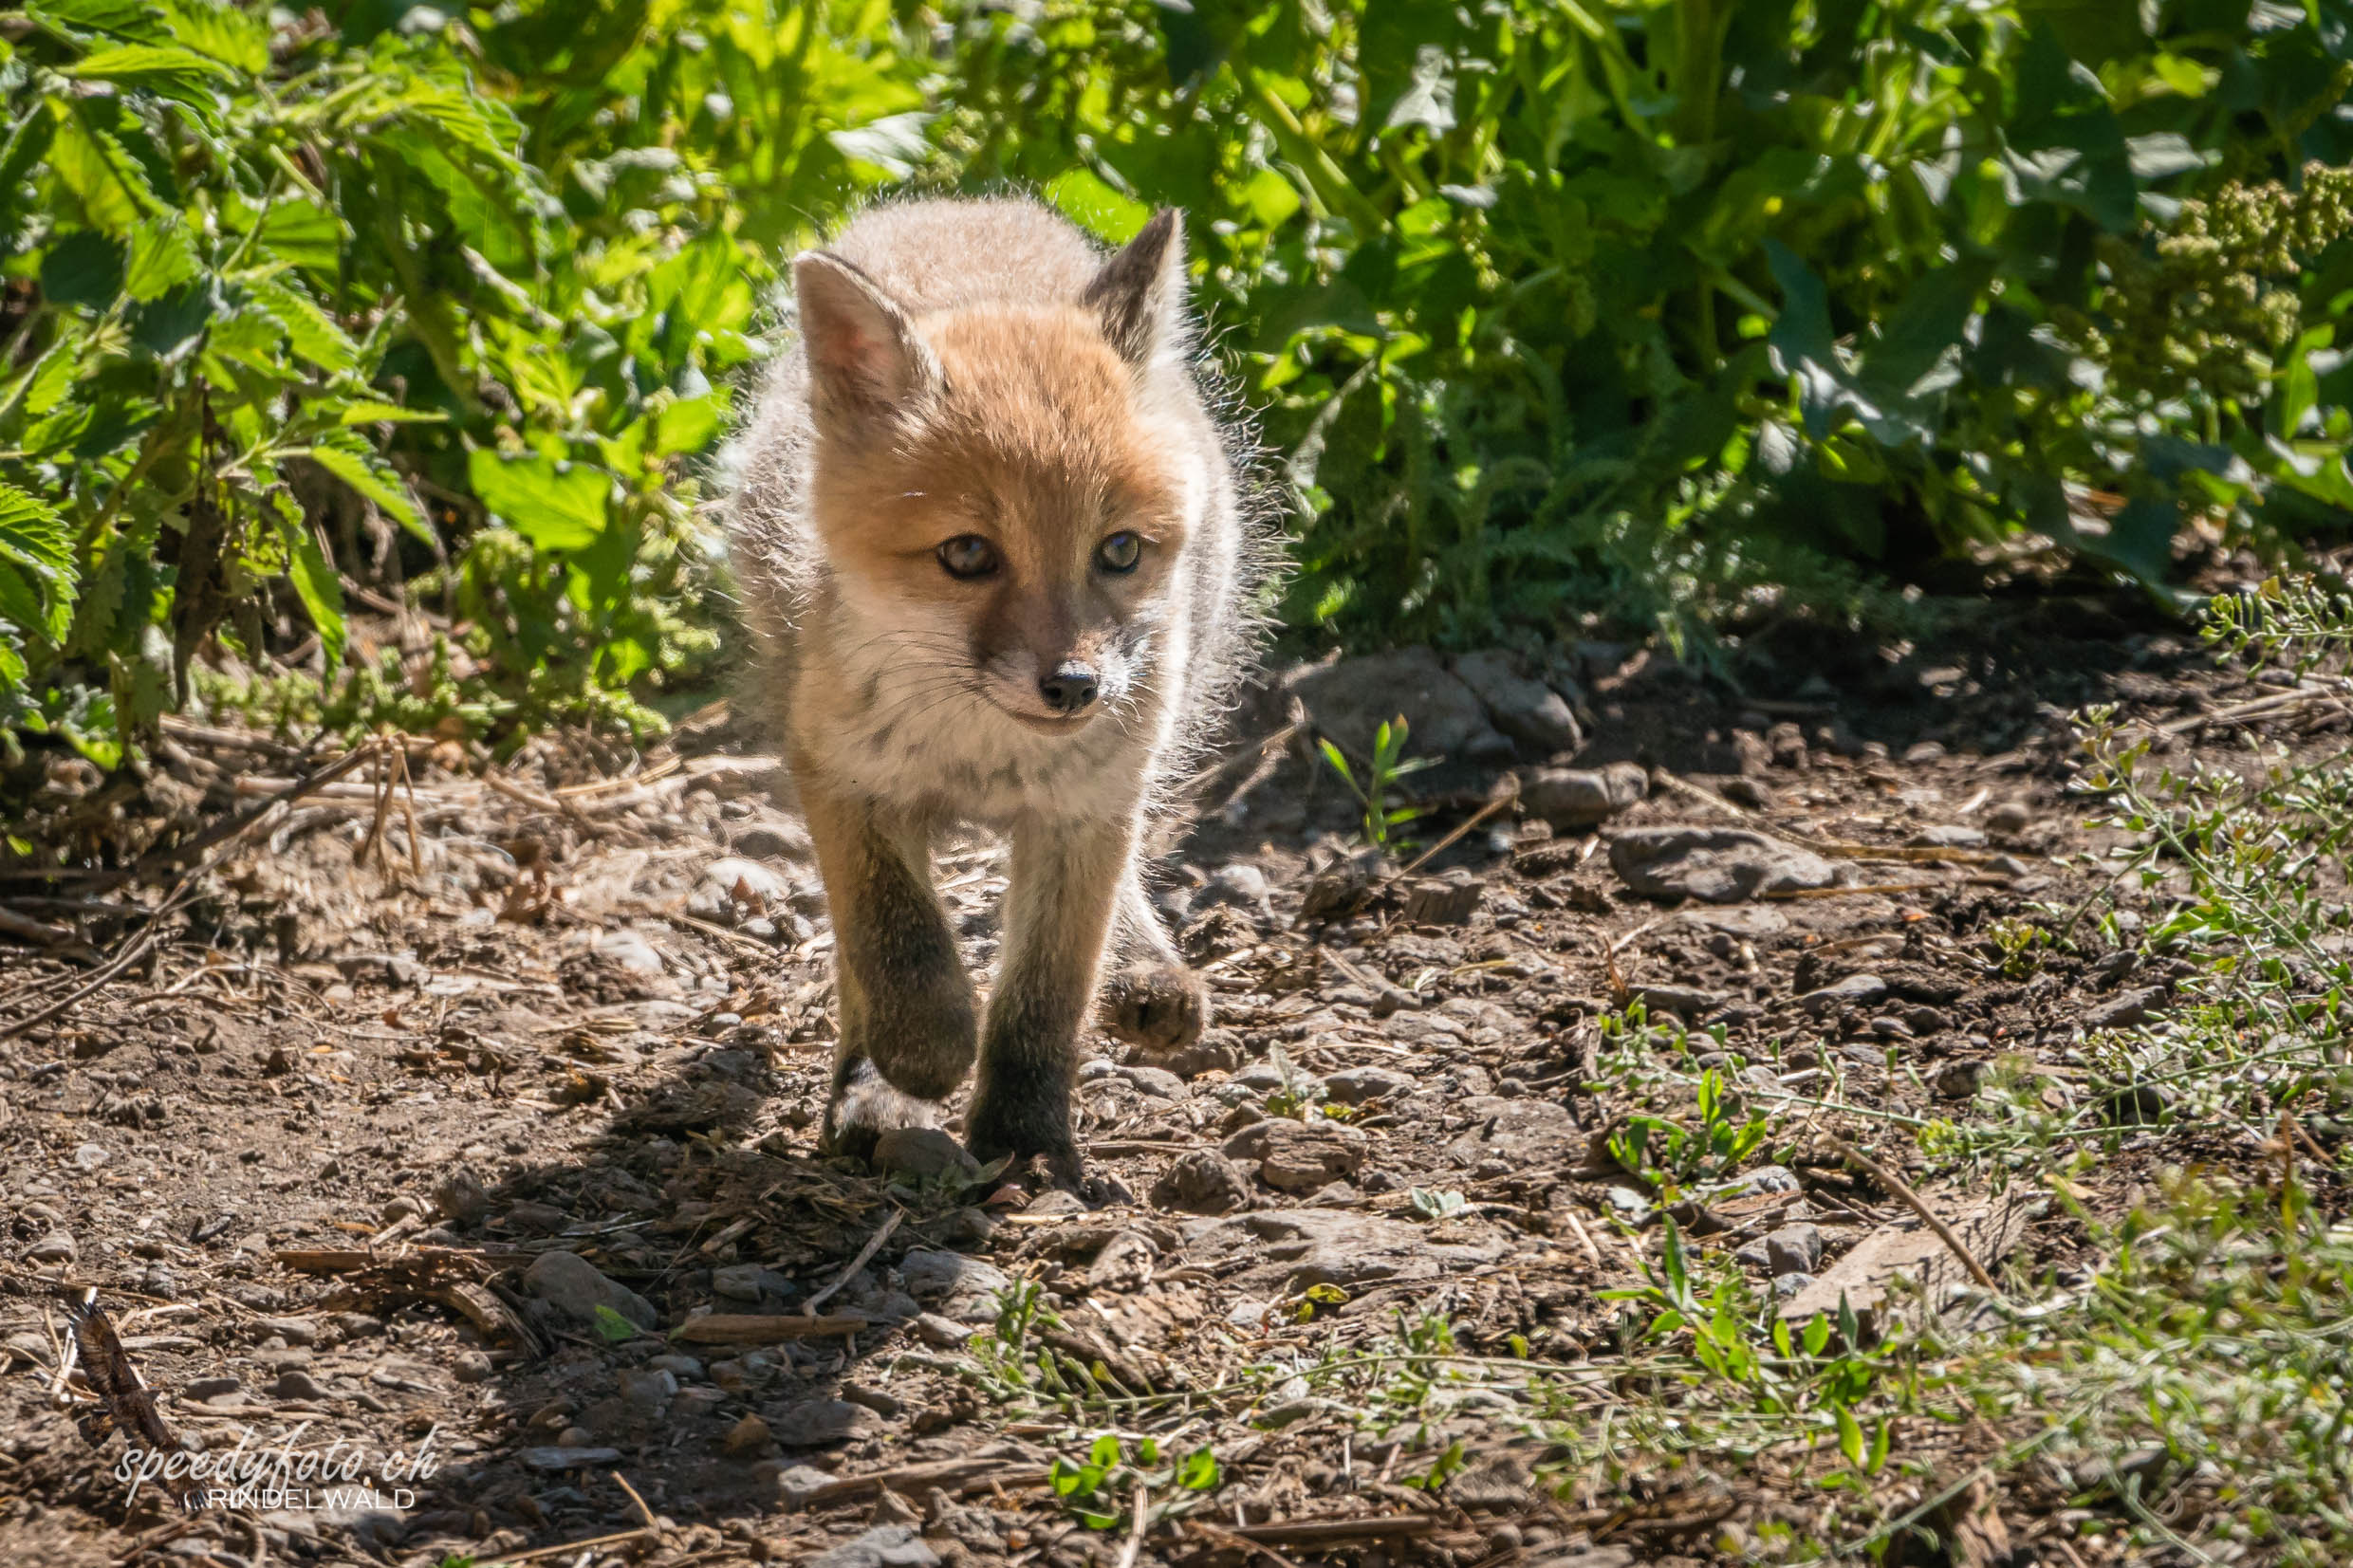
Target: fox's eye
<point>968,555</point>
<point>1119,552</point>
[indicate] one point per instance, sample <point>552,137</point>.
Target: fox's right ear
<point>865,358</point>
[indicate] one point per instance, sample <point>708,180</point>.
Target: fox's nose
<point>1070,688</point>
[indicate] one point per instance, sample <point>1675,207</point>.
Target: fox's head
<point>1003,490</point>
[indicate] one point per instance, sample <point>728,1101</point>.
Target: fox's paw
<point>863,1107</point>
<point>1157,1008</point>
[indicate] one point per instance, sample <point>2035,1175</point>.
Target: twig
<point>643,1512</point>
<point>865,1255</point>
<point>1135,1531</point>
<point>582,1547</point>
<point>1468,823</point>
<point>232,827</point>
<point>25,926</point>
<point>1919,1204</point>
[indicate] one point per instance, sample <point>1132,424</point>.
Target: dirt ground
<point>397,1048</point>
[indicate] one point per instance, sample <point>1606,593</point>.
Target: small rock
<point>458,1195</point>
<point>684,1368</point>
<point>1962,1080</point>
<point>1240,884</point>
<point>814,1422</point>
<point>1203,1182</point>
<point>2136,1105</point>
<point>1787,1286</point>
<point>648,1391</point>
<point>1793,1249</point>
<point>884,1546</point>
<point>746,1437</point>
<point>1356,1085</point>
<point>770,841</point>
<point>562,1458</point>
<point>2008,818</point>
<point>1630,1206</point>
<point>749,1283</point>
<point>1156,1081</point>
<point>1923,751</point>
<point>55,1247</point>
<point>1449,900</point>
<point>1717,865</point>
<point>1948,837</point>
<point>963,1288</point>
<point>297,1384</point>
<point>797,1485</point>
<point>1687,1002</point>
<point>747,881</point>
<point>2127,1010</point>
<point>1574,798</point>
<point>543,1217</point>
<point>1528,711</point>
<point>1125,1264</point>
<point>945,1333</point>
<point>924,1152</point>
<point>573,1285</point>
<point>1299,1157</point>
<point>208,1388</point>
<point>89,1156</point>
<point>294,1331</point>
<point>1350,699</point>
<point>1856,991</point>
<point>631,950</point>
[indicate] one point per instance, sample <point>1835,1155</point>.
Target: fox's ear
<point>864,356</point>
<point>1140,294</point>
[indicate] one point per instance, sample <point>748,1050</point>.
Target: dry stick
<point>865,1254</point>
<point>1919,1204</point>
<point>1826,846</point>
<point>2252,708</point>
<point>230,827</point>
<point>538,1552</point>
<point>643,1512</point>
<point>223,834</point>
<point>25,926</point>
<point>1472,821</point>
<point>408,809</point>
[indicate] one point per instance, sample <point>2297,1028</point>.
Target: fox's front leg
<point>1058,911</point>
<point>905,1004</point>
<point>1151,1000</point>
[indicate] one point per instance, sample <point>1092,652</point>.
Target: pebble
<point>573,1285</point>
<point>648,1391</point>
<point>2131,1009</point>
<point>814,1422</point>
<point>944,1333</point>
<point>2007,819</point>
<point>884,1546</point>
<point>1949,836</point>
<point>470,1366</point>
<point>730,872</point>
<point>562,1458</point>
<point>749,1436</point>
<point>1569,799</point>
<point>954,1286</point>
<point>681,1367</point>
<point>1856,991</point>
<point>1715,865</point>
<point>459,1196</point>
<point>1356,1085</point>
<point>1527,710</point>
<point>55,1247</point>
<point>631,950</point>
<point>1203,1182</point>
<point>925,1154</point>
<point>297,1385</point>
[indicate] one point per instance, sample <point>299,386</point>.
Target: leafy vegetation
<point>1671,314</point>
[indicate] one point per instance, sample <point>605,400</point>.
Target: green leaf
<point>1198,1471</point>
<point>319,587</point>
<point>36,566</point>
<point>163,256</point>
<point>555,505</point>
<point>356,464</point>
<point>612,1327</point>
<point>1094,204</point>
<point>1850,1436</point>
<point>182,75</point>
<point>310,330</point>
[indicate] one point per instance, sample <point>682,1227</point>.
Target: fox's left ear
<point>1140,294</point>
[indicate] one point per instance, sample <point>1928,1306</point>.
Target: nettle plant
<point>445,301</point>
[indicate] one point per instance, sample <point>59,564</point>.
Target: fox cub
<point>998,567</point>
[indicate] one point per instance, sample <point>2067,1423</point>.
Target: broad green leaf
<point>556,505</point>
<point>1088,201</point>
<point>318,586</point>
<point>162,258</point>
<point>357,464</point>
<point>36,566</point>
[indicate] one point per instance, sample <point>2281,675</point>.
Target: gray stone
<point>1856,991</point>
<point>648,1391</point>
<point>1299,1157</point>
<point>571,1284</point>
<point>1528,711</point>
<point>2126,1011</point>
<point>1350,699</point>
<point>1534,1136</point>
<point>1126,1263</point>
<point>1573,798</point>
<point>1715,864</point>
<point>884,1546</point>
<point>1240,884</point>
<point>458,1195</point>
<point>55,1247</point>
<point>735,874</point>
<point>924,1152</point>
<point>2007,819</point>
<point>684,1368</point>
<point>1688,1002</point>
<point>814,1422</point>
<point>1355,1085</point>
<point>1947,836</point>
<point>1203,1182</point>
<point>1793,1249</point>
<point>954,1286</point>
<point>1156,1081</point>
<point>568,1459</point>
<point>945,1333</point>
<point>297,1384</point>
<point>1284,1250</point>
<point>798,1485</point>
<point>631,950</point>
